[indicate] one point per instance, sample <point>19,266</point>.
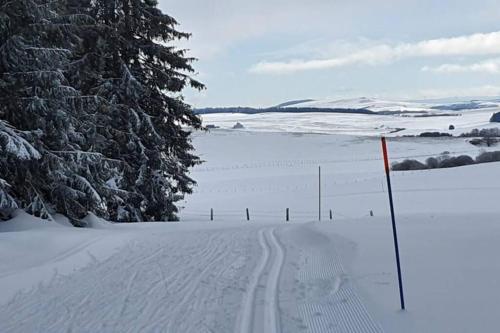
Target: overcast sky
<point>264,52</point>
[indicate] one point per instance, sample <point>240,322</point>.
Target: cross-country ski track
<point>180,278</point>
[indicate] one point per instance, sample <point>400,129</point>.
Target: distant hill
<point>371,104</point>
<point>361,105</point>
<point>246,110</point>
<point>472,105</point>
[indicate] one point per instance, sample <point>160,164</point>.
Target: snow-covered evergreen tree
<point>15,150</point>
<point>130,64</point>
<point>36,46</point>
<point>91,116</point>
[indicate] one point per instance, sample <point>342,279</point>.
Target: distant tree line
<point>91,116</point>
<point>485,133</point>
<point>446,161</point>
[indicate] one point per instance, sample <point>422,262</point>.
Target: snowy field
<point>267,275</point>
<point>411,123</point>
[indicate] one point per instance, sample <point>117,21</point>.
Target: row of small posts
<point>287,214</point>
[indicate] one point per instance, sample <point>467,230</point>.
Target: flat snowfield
<point>357,124</point>
<point>265,274</point>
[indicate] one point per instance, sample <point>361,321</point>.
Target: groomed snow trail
<point>260,311</point>
<point>249,278</point>
<point>190,281</point>
<point>323,298</point>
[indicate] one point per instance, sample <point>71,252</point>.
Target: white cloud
<point>476,44</point>
<point>217,25</point>
<point>491,66</point>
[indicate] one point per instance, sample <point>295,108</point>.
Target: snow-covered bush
<point>408,165</point>
<point>445,161</point>
<point>456,161</point>
<point>487,157</point>
<point>432,163</point>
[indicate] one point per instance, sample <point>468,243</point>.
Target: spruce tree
<point>15,150</point>
<point>131,65</point>
<point>92,119</point>
<point>37,99</point>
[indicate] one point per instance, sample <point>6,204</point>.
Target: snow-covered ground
<point>356,124</point>
<point>393,118</point>
<point>267,275</point>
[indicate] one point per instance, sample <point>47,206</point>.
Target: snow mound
<point>95,222</point>
<point>24,221</point>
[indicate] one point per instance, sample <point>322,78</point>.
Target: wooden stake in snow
<point>287,214</point>
<point>211,214</point>
<point>248,215</point>
<point>394,231</point>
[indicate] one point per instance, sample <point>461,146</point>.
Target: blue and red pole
<point>394,230</point>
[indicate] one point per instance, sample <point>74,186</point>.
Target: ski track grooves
<point>271,322</point>
<point>246,321</point>
<point>264,308</point>
<point>341,309</point>
<point>148,286</point>
<point>58,258</point>
<point>196,282</point>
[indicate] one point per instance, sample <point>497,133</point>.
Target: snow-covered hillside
<point>379,105</point>
<point>393,118</point>
<point>371,104</point>
<point>357,124</point>
<point>267,275</point>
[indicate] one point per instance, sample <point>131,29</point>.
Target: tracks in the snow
<point>196,281</point>
<point>160,282</point>
<point>327,300</point>
<point>260,311</point>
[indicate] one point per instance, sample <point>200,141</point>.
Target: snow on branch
<point>12,143</point>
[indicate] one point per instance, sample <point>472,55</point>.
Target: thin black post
<point>394,231</point>
<point>248,215</point>
<point>287,214</point>
<point>211,214</point>
<point>331,215</point>
<point>319,194</point>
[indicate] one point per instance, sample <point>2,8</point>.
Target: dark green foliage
<point>452,162</point>
<point>446,161</point>
<point>408,165</point>
<point>37,101</point>
<point>434,134</point>
<point>485,133</point>
<point>490,156</point>
<point>143,120</point>
<point>94,88</point>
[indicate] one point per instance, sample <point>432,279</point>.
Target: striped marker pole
<point>394,230</point>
